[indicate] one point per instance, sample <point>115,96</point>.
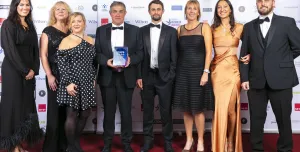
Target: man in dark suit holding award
<point>273,42</point>
<point>117,83</point>
<point>157,72</point>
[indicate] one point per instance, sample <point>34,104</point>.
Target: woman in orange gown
<point>226,131</point>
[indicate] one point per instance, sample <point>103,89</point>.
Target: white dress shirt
<point>117,36</point>
<point>154,39</point>
<point>265,26</point>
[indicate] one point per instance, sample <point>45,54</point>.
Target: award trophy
<point>120,55</point>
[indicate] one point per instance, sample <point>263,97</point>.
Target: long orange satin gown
<point>226,83</point>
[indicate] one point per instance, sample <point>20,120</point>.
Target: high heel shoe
<point>230,147</point>
<point>184,150</point>
<point>201,150</point>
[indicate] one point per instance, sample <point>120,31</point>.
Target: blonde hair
<point>193,2</point>
<point>72,17</point>
<point>52,19</point>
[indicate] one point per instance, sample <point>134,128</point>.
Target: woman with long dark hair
<point>226,130</point>
<point>51,37</point>
<point>18,116</point>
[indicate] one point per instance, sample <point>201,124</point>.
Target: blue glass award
<point>120,55</point>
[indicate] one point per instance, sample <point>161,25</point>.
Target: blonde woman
<point>51,37</point>
<point>193,90</point>
<point>77,72</point>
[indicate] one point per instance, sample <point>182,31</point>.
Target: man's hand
<point>110,64</point>
<point>139,83</point>
<point>245,85</point>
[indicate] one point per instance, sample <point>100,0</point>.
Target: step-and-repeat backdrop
<point>97,14</point>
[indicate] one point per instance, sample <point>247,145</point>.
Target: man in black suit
<point>273,42</point>
<point>157,72</point>
<point>117,83</point>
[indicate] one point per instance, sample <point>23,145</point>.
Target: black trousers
<point>55,139</point>
<point>152,87</point>
<point>117,92</point>
<point>281,102</point>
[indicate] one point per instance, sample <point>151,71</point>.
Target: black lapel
<point>258,35</point>
<point>148,39</point>
<point>162,37</point>
<point>271,30</point>
<point>126,35</point>
<point>108,38</point>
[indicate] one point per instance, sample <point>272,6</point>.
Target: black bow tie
<point>264,20</point>
<point>115,28</point>
<point>153,25</point>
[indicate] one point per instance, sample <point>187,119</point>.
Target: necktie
<point>153,25</point>
<point>264,20</point>
<point>115,28</point>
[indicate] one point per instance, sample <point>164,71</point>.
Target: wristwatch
<point>206,70</point>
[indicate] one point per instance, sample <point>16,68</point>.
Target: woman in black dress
<point>193,92</point>
<point>18,116</point>
<point>51,37</point>
<point>77,73</point>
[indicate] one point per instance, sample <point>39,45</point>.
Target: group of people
<point>175,65</point>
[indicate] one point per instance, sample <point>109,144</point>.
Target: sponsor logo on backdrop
<point>137,7</point>
<point>42,122</point>
<point>104,21</point>
<point>273,122</point>
<point>242,9</point>
<point>0,78</point>
<point>79,8</point>
<point>40,78</point>
<point>244,106</point>
<point>176,7</point>
<point>244,120</point>
<point>42,93</point>
<point>291,7</point>
<point>295,121</point>
<point>42,108</point>
<point>173,22</point>
<point>104,8</point>
<point>39,21</point>
<point>1,21</point>
<point>42,7</point>
<point>4,6</point>
<point>207,9</point>
<point>128,22</point>
<point>92,21</point>
<point>297,106</point>
<point>95,7</point>
<point>141,22</point>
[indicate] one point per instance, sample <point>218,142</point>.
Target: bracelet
<point>206,70</point>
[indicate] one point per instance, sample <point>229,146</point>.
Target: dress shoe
<point>127,148</point>
<point>106,149</point>
<point>168,147</point>
<point>147,146</point>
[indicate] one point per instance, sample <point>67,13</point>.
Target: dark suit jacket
<point>104,53</point>
<point>167,53</point>
<point>273,64</point>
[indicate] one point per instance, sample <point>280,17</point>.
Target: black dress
<point>189,96</point>
<point>77,65</point>
<point>55,139</point>
<point>18,116</point>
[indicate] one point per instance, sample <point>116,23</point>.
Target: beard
<point>268,11</point>
<point>156,18</point>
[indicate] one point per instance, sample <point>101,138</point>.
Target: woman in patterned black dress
<point>193,92</point>
<point>50,39</point>
<point>18,116</point>
<point>77,73</point>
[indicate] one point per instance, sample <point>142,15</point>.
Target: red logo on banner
<point>104,21</point>
<point>0,79</point>
<point>297,106</point>
<point>42,107</point>
<point>244,106</point>
<point>1,21</point>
